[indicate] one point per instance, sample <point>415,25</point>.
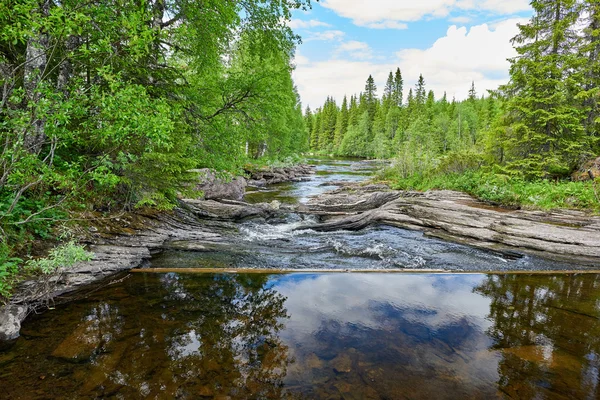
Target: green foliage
<point>110,110</point>
<point>538,128</point>
<point>502,189</point>
<point>63,256</point>
<point>9,269</point>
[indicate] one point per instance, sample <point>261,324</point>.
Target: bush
<point>503,189</point>
<point>63,256</point>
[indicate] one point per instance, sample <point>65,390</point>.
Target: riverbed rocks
<point>215,187</point>
<point>271,176</point>
<point>589,170</point>
<point>10,321</point>
<point>561,235</point>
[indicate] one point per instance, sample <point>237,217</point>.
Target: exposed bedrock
<point>563,235</point>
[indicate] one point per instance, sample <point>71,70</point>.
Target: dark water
<point>315,336</point>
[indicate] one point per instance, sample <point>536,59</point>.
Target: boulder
<point>589,170</point>
<point>11,317</point>
<point>219,188</point>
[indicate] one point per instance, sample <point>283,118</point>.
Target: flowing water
<point>317,335</point>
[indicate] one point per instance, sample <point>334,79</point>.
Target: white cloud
<point>353,45</point>
<point>300,59</point>
<point>356,50</point>
<point>388,24</point>
<point>326,35</point>
<point>302,24</point>
<point>453,61</point>
<point>463,19</point>
<point>450,64</point>
<point>383,13</point>
<point>336,77</point>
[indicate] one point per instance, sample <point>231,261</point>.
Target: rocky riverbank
<point>124,242</point>
<point>214,187</point>
<point>120,243</point>
<point>563,235</point>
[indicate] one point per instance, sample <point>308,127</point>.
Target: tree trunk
<point>35,68</point>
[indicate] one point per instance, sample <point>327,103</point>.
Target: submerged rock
<point>80,345</point>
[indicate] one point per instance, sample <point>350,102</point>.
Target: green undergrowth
<point>274,162</point>
<point>15,269</point>
<point>504,190</point>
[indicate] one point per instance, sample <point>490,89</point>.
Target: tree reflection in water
<point>547,330</point>
<point>194,338</point>
<point>354,336</point>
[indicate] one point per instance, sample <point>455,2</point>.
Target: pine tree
<point>353,111</point>
<point>308,120</point>
<point>420,92</point>
<point>316,130</point>
<point>388,91</point>
<point>591,71</point>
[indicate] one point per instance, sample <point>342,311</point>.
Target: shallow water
<point>317,335</point>
<point>283,243</point>
<point>327,171</point>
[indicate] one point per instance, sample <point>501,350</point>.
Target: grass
<point>505,190</point>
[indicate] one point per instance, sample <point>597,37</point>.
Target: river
<point>311,335</point>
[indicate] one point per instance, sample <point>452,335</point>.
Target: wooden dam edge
<point>355,271</point>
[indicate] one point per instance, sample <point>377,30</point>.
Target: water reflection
<point>316,336</point>
<point>548,334</point>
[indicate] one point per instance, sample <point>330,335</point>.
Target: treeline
<point>543,124</point>
<point>107,104</point>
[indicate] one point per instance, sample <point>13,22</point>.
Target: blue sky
<point>451,42</point>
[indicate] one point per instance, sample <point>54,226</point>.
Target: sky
<point>450,42</point>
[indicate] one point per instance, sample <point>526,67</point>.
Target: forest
<point>106,105</point>
<point>507,144</point>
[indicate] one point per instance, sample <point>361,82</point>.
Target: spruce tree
<point>472,92</point>
<point>316,130</point>
<point>370,97</point>
<point>308,120</point>
<point>547,137</point>
<point>353,111</point>
<point>341,126</point>
<point>388,91</point>
<point>591,72</point>
<point>398,88</point>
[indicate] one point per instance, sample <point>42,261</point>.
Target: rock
<point>80,345</point>
<point>341,364</point>
<point>313,362</point>
<point>589,170</point>
<point>218,188</point>
<point>11,317</point>
<point>271,176</point>
<point>230,211</point>
<point>260,183</point>
<point>564,235</point>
